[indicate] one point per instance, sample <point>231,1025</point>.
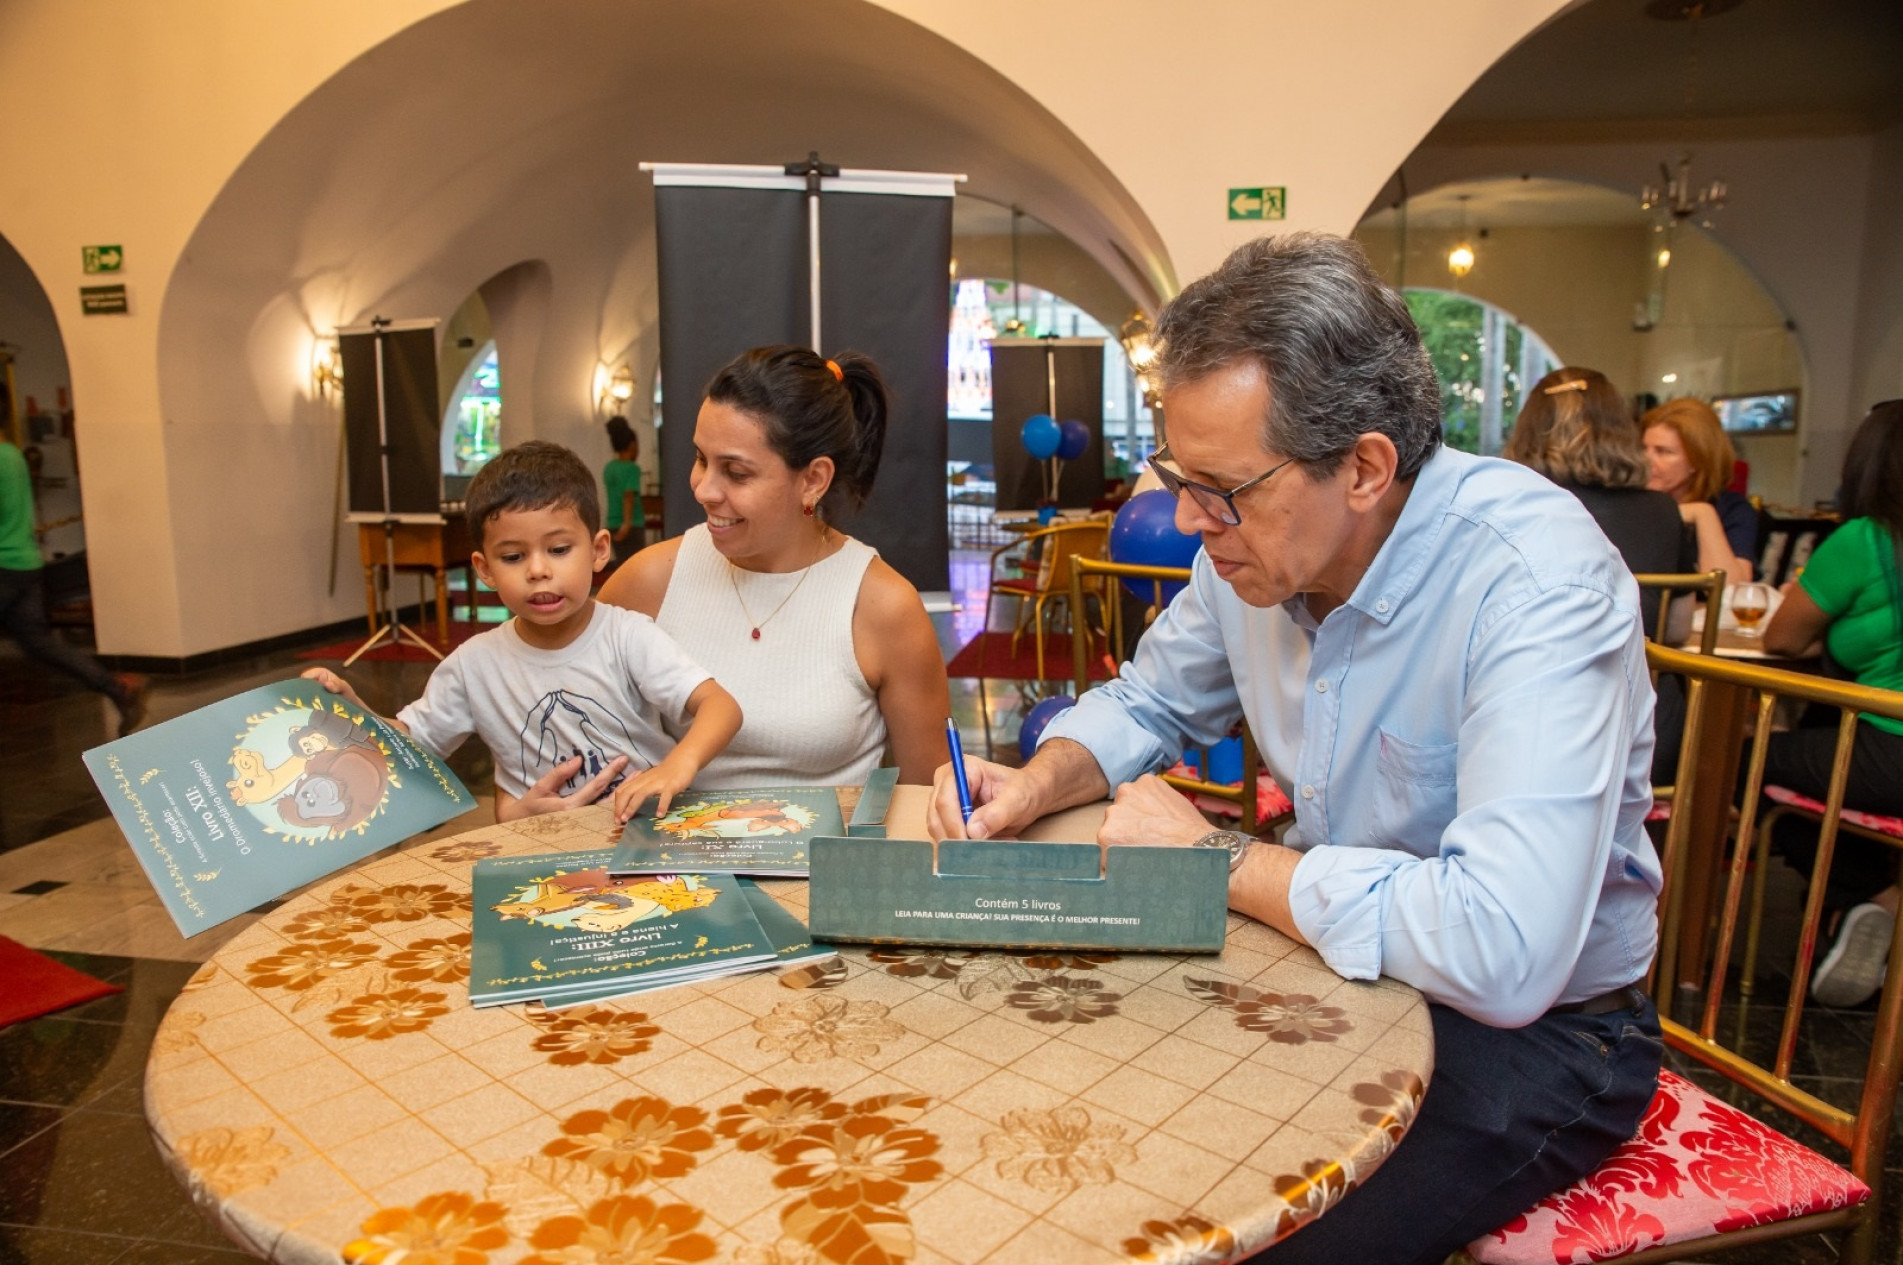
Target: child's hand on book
<point>664,781</point>
<point>334,683</point>
<point>546,795</point>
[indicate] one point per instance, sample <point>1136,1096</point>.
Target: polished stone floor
<point>79,1180</point>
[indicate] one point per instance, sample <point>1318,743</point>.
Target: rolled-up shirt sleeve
<point>1493,923</point>
<point>1178,691</point>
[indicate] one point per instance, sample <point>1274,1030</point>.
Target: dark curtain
<point>1019,388</point>
<point>733,275</point>
<point>410,414</point>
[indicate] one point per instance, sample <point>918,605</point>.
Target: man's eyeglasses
<point>1215,502</point>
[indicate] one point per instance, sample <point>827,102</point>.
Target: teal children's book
<point>244,800</point>
<point>791,946</point>
<point>871,813</point>
<point>558,923</point>
<point>764,831</point>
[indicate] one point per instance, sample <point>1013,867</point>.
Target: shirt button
<point>1382,606</point>
<point>1308,792</point>
<point>1321,687</point>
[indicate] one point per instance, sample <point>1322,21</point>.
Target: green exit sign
<point>102,258</point>
<point>1269,203</point>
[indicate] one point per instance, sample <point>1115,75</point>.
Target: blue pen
<point>958,767</point>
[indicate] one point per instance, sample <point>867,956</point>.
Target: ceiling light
<point>1460,260</point>
<point>1669,378</point>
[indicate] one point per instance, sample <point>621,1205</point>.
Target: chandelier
<point>1677,197</point>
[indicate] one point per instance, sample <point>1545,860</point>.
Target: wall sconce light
<point>1460,260</point>
<point>614,388</point>
<point>327,368</point>
<point>1134,334</point>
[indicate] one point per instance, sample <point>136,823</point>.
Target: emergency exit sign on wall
<point>102,258</point>
<point>1269,202</point>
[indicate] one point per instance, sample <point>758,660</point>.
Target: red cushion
<point>1892,826</point>
<point>1697,1167</point>
<point>1270,802</point>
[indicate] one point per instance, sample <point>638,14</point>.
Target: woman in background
<point>828,650</point>
<point>1575,429</point>
<point>621,477</point>
<point>1691,461</point>
<point>1849,601</point>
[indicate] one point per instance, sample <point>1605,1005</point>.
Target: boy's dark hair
<point>532,476</point>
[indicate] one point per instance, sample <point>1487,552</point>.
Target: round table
<point>323,1086</point>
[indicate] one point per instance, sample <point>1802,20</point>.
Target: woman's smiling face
<point>754,501</point>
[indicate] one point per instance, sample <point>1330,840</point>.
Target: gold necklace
<point>804,572</point>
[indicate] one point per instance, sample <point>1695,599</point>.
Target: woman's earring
<point>809,510</point>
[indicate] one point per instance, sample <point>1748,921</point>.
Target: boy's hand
<point>335,684</point>
<point>664,781</point>
<point>546,795</point>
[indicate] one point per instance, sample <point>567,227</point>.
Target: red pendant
<point>756,634</point>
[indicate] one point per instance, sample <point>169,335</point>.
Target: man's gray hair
<point>1342,355</point>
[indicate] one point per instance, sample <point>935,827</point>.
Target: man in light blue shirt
<point>1441,659</point>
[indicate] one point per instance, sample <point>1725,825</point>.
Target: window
<point>475,416</point>
<point>1484,360</point>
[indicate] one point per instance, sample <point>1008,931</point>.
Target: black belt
<point>1604,1004</point>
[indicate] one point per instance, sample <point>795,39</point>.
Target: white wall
<point>452,142</point>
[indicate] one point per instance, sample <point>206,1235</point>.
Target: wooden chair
<point>1701,1175</point>
<point>1048,584</point>
<point>1244,795</point>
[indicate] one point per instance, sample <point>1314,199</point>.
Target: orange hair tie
<point>839,375</point>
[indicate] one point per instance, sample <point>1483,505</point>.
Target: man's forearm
<point>1260,887</point>
<point>1064,774</point>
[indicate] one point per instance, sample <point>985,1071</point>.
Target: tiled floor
<point>79,1181</point>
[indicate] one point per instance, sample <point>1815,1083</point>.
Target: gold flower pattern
<point>1390,1105</point>
<point>1188,1240</point>
<point>302,965</point>
<point>1320,1186</point>
<point>461,850</point>
<point>828,973</point>
<point>445,960</point>
<point>179,1032</point>
<point>922,963</point>
<point>1286,1018</point>
<point>858,1159</point>
<point>768,1117</point>
<point>380,1016</point>
<point>1067,961</point>
<point>637,1139</point>
<point>227,1161</point>
<point>820,1028</point>
<point>409,902</point>
<point>333,921</point>
<point>593,1036</point>
<point>623,1230</point>
<point>1057,1150</point>
<point>1064,999</point>
<point>447,1228</point>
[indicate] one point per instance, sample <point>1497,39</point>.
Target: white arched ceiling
<point>497,132</point>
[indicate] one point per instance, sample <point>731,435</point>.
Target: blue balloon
<point>1035,720</point>
<point>1041,436</point>
<point>1144,534</point>
<point>1076,438</point>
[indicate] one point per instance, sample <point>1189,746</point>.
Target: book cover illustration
<point>792,945</point>
<point>765,831</point>
<point>246,799</point>
<point>548,925</point>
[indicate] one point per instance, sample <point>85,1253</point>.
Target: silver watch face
<point>1234,840</point>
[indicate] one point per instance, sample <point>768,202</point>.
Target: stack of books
<point>561,929</point>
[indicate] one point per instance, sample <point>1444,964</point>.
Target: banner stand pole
<point>814,171</point>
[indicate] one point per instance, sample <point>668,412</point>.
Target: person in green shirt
<point>23,597</point>
<point>627,526</point>
<point>1849,602</point>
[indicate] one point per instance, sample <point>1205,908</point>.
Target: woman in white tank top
<point>828,650</point>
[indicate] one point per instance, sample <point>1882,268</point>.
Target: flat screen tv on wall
<point>1762,413</point>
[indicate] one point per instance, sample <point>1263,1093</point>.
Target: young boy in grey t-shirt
<point>570,694</point>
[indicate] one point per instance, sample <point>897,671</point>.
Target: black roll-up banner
<point>1019,388</point>
<point>413,425</point>
<point>884,265</point>
<point>732,275</point>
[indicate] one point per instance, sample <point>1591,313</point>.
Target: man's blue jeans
<point>1511,1115</point>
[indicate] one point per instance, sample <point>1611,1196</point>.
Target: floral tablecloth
<point>323,1087</point>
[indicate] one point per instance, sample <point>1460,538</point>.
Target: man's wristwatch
<point>1234,840</point>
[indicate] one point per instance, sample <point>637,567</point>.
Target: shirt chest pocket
<point>1415,794</point>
